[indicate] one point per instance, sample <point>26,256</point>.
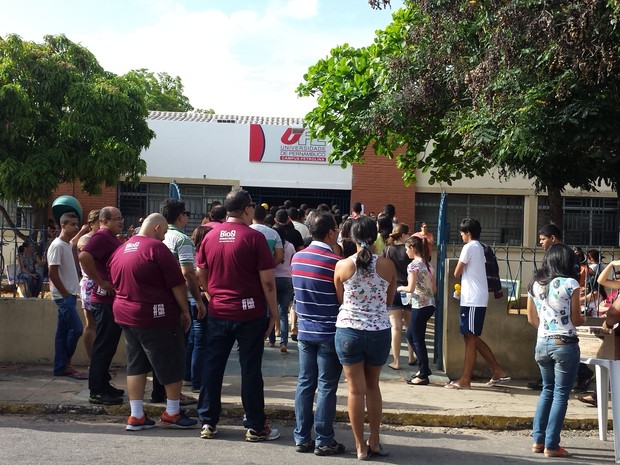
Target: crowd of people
<point>342,286</point>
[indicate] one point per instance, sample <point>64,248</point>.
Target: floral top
<point>364,305</point>
<point>422,295</point>
<point>553,306</point>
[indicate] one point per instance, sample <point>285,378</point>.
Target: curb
<point>482,422</point>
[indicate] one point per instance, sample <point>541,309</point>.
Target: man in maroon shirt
<point>151,306</point>
<point>235,268</point>
<point>93,258</point>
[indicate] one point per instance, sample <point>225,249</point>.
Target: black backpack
<point>492,270</point>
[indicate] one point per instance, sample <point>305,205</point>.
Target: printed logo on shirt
<point>101,291</point>
<point>159,310</point>
<point>131,247</point>
<point>227,236</point>
<point>248,304</point>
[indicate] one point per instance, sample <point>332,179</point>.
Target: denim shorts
<point>354,346</point>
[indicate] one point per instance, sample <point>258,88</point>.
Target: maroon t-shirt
<point>143,272</point>
<point>234,254</point>
<point>101,246</point>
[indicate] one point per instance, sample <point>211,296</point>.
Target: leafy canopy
<point>64,118</point>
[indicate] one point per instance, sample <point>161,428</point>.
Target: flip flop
<point>379,453</point>
<point>457,386</point>
<point>538,448</point>
<point>585,400</point>
<point>77,375</point>
<point>393,368</point>
<point>559,452</point>
<point>496,381</point>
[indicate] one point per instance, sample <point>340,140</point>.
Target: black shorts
<point>161,350</point>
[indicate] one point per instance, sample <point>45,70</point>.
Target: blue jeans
<point>320,368</point>
<point>558,368</point>
<point>68,333</point>
<point>416,335</point>
<point>284,295</point>
<point>196,347</point>
<point>221,336</point>
<point>107,335</point>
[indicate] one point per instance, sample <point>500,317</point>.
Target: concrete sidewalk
<point>28,389</point>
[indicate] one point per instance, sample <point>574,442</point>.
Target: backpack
<point>492,270</point>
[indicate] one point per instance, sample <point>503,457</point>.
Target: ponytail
<point>364,256</point>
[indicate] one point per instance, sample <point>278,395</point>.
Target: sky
<point>238,57</point>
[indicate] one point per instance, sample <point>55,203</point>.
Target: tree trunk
<point>556,207</point>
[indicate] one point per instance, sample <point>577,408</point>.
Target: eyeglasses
<point>187,213</point>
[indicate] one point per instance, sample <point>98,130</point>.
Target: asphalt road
<point>73,440</point>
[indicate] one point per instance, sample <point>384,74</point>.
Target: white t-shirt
<point>474,287</point>
<point>61,253</point>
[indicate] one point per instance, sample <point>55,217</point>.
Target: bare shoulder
<point>385,268</point>
<point>345,268</point>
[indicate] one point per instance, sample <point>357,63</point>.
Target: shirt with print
<point>273,238</point>
<point>364,305</point>
<point>101,246</point>
<point>234,254</point>
<point>553,305</point>
<point>422,296</point>
<point>143,272</point>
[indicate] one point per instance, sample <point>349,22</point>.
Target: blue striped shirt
<point>316,304</point>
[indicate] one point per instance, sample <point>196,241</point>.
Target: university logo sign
<point>281,144</point>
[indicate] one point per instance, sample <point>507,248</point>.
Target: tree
<point>527,86</point>
<point>64,118</point>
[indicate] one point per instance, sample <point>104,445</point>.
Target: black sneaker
<point>105,399</point>
<point>335,449</point>
<point>114,391</point>
<point>305,447</point>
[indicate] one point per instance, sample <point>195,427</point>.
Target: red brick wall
<point>108,197</point>
<point>377,182</point>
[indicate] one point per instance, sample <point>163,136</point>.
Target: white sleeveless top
<point>364,305</point>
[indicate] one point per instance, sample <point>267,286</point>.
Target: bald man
<point>151,306</point>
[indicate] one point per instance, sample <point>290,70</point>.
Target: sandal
<point>559,452</point>
<point>365,457</point>
<point>590,400</point>
<point>538,448</point>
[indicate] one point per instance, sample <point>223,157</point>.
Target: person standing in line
<point>396,251</point>
<point>94,258</point>
<point>151,306</point>
<point>183,250</point>
<point>474,300</point>
<point>65,286</point>
<point>421,284</point>
<point>553,308</point>
<point>319,368</point>
<point>364,283</point>
<point>235,267</point>
<point>86,283</point>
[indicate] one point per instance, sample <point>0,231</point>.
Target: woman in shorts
<point>365,283</point>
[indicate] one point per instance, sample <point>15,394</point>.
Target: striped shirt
<point>316,304</point>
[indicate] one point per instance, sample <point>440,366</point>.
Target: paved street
<point>70,440</point>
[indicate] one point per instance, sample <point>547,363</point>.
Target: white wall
<point>209,150</point>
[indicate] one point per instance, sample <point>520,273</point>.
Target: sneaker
<point>187,400</point>
<point>105,399</point>
<point>180,420</point>
<point>138,424</point>
<point>114,391</point>
<point>208,431</point>
<point>267,434</point>
<point>305,447</point>
<point>334,449</point>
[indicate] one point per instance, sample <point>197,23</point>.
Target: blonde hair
<point>397,232</point>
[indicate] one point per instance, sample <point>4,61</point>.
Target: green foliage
<point>528,87</point>
<point>162,91</point>
<point>63,118</point>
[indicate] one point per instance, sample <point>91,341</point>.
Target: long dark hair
<point>420,245</point>
<point>559,261</point>
<point>364,233</point>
